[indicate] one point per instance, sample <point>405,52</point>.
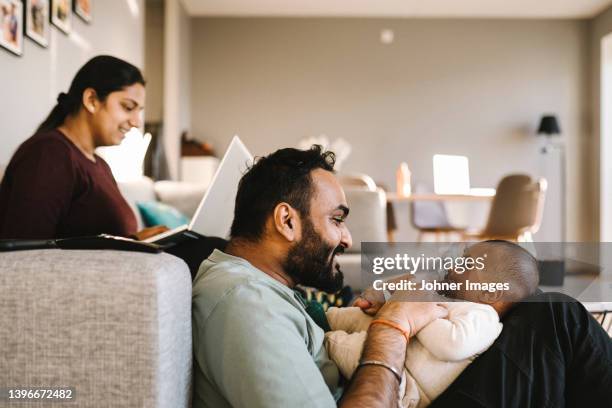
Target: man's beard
<point>309,262</point>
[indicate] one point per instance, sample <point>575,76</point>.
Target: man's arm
<point>377,386</point>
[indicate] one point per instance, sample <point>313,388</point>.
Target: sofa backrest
<point>137,190</point>
<point>367,220</point>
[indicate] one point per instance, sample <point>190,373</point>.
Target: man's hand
<point>370,301</point>
<point>375,386</point>
<point>411,315</point>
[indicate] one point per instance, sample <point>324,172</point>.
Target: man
<point>254,344</point>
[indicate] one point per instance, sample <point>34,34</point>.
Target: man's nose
<point>346,240</point>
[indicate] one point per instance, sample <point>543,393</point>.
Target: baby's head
<point>505,264</point>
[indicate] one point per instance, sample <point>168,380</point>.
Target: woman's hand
<point>150,231</point>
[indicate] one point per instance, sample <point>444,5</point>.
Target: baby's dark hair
<point>517,266</point>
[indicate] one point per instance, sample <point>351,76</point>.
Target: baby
<point>445,347</point>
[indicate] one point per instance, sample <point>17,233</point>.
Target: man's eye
<point>339,220</point>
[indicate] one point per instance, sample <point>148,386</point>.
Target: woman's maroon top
<point>52,190</point>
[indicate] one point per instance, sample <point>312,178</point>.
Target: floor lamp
<point>554,271</point>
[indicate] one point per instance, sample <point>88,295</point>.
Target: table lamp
<point>549,126</point>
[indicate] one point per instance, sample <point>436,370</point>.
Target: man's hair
<point>283,176</point>
<point>517,267</point>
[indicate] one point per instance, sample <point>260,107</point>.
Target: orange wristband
<point>396,326</point>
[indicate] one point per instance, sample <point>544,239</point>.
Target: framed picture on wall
<point>82,8</point>
<point>11,26</point>
<point>37,21</point>
<point>61,15</point>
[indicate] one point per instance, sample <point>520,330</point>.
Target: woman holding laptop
<point>55,186</point>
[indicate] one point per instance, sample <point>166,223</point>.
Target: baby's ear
<point>490,298</point>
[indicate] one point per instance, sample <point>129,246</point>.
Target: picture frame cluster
<point>33,19</point>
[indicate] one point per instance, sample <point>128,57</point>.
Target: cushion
<point>184,196</point>
<point>156,213</point>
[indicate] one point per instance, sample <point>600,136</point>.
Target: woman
<point>55,185</point>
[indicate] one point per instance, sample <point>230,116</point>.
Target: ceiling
<point>400,8</point>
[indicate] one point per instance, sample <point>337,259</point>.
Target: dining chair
<point>516,211</point>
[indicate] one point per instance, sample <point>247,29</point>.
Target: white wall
<point>469,87</point>
<point>606,140</point>
<point>602,183</point>
<point>31,83</point>
<point>177,80</point>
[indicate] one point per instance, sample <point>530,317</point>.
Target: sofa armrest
<point>116,326</point>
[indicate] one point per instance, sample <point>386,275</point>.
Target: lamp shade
<point>549,125</point>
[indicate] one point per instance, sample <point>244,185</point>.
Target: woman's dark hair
<point>283,176</point>
<point>104,74</point>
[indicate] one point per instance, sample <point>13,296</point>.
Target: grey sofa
<point>114,326</point>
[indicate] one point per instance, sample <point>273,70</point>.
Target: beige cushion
<point>183,196</point>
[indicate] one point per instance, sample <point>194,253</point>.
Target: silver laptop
<point>215,213</point>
